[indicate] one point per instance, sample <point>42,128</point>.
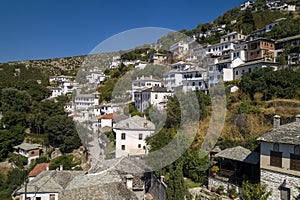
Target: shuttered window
<point>295,162</point>
<point>276,159</point>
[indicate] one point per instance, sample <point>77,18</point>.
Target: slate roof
<point>135,122</point>
<point>284,134</point>
<point>51,181</point>
<point>27,146</point>
<point>39,168</point>
<point>239,154</point>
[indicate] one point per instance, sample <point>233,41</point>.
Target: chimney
<point>298,118</point>
<point>129,181</point>
<point>61,168</point>
<point>276,121</point>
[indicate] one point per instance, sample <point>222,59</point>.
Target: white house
<point>131,134</point>
<point>144,82</point>
<point>273,24</point>
<point>246,4</point>
<point>30,151</point>
<point>107,120</point>
<point>55,92</point>
<point>280,159</point>
<point>85,101</point>
<point>140,64</point>
<point>95,77</point>
<point>158,59</point>
<point>179,48</point>
<point>218,49</point>
<point>249,67</point>
<point>232,37</point>
<point>194,78</point>
<point>156,96</point>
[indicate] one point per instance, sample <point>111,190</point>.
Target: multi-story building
<point>179,48</point>
<point>232,37</point>
<point>185,76</point>
<point>131,134</point>
<point>218,49</point>
<point>280,159</point>
<point>260,48</point>
<point>156,96</point>
<point>85,101</point>
<point>248,67</point>
<point>158,59</point>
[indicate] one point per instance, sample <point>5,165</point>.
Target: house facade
<point>280,159</point>
<point>156,96</point>
<point>131,134</point>
<point>260,48</point>
<point>85,101</point>
<point>30,151</point>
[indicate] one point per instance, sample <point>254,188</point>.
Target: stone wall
<point>274,180</point>
<point>213,182</point>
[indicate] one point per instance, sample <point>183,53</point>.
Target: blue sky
<point>40,29</point>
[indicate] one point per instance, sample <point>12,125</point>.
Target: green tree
<point>62,133</point>
<point>255,191</point>
<point>177,189</point>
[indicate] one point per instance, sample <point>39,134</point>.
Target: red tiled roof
<point>38,169</point>
<point>108,116</point>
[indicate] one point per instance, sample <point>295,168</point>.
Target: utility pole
<point>26,181</point>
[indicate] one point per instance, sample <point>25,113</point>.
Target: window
<point>52,196</point>
<point>123,136</point>
<point>276,159</point>
<point>297,150</point>
<point>38,198</point>
<point>249,70</point>
<point>236,72</point>
<point>295,162</point>
<point>156,96</point>
<point>123,147</point>
<point>140,136</point>
<point>139,146</point>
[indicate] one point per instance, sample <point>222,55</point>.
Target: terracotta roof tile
<point>38,169</point>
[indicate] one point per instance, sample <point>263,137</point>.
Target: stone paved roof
<point>27,146</point>
<point>239,154</point>
<point>285,134</point>
<point>51,181</point>
<point>135,122</point>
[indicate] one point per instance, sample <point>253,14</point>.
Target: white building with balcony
<point>179,48</point>
<point>85,101</point>
<point>156,96</point>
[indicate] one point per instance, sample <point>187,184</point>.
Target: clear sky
<point>40,29</point>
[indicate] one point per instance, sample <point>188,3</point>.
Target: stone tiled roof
<point>39,168</point>
<point>239,154</point>
<point>27,146</point>
<point>135,122</point>
<point>51,181</point>
<point>285,134</point>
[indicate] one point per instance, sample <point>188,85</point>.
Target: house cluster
<point>277,164</point>
<point>123,178</point>
<point>271,5</point>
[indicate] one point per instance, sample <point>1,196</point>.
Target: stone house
<point>235,165</point>
<point>30,151</point>
<point>280,159</point>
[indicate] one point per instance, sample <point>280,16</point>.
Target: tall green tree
<point>177,189</point>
